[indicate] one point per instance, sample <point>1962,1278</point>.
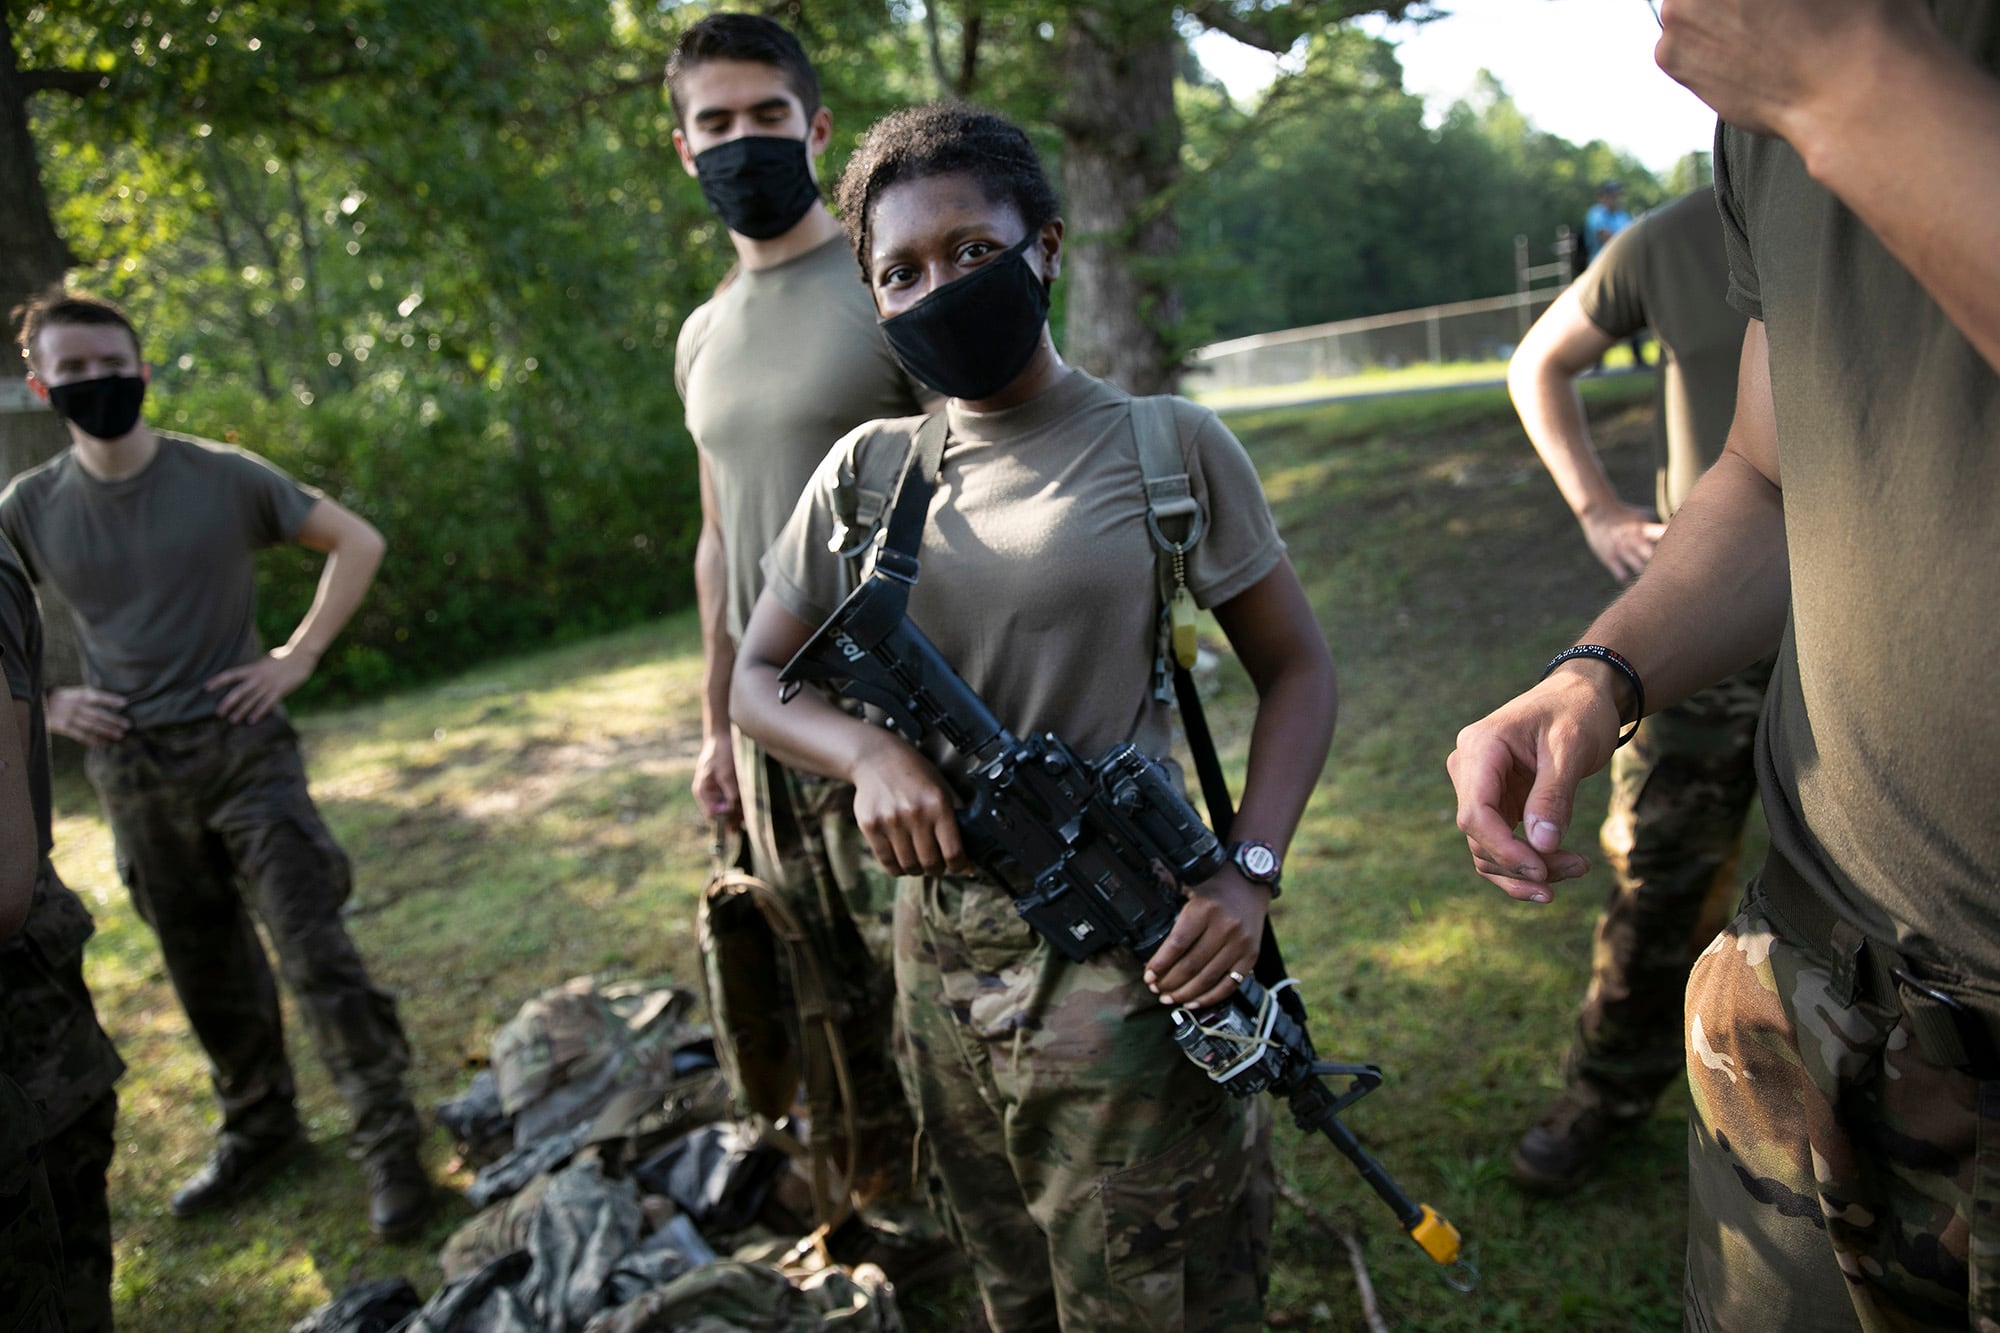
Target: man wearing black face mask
<point>783,361</point>
<point>151,538</point>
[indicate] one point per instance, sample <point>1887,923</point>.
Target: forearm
<point>1909,138</point>
<point>1288,748</point>
<point>1714,598</point>
<point>1271,626</point>
<point>809,733</point>
<point>343,582</point>
<point>718,650</point>
<point>1552,415</point>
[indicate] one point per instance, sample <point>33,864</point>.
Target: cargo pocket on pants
<point>1157,1212</point>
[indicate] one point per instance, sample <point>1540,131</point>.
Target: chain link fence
<point>1464,333</point>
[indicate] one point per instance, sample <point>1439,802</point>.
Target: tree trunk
<point>32,259</point>
<point>34,255</point>
<point>1121,154</point>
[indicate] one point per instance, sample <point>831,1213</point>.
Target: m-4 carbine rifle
<point>1095,855</point>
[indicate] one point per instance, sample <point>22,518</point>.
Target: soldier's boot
<point>1560,1149</point>
<point>235,1169</point>
<point>399,1193</point>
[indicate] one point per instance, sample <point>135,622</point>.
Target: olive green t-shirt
<point>780,364</point>
<point>157,567</point>
<point>1038,576</point>
<point>1879,753</point>
<point>1668,272</point>
<point>21,663</point>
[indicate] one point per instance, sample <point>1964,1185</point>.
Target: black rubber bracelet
<point>1599,653</point>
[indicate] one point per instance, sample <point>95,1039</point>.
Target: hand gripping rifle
<point>1095,855</point>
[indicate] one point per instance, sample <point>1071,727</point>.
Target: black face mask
<point>759,185</point>
<point>970,338</point>
<point>106,408</point>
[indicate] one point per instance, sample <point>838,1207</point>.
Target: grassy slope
<point>1377,379</point>
<point>530,822</point>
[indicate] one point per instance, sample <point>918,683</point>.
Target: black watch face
<point>1257,861</point>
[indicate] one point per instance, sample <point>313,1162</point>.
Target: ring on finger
<point>1236,977</point>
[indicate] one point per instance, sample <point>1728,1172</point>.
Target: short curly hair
<point>58,305</point>
<point>943,139</point>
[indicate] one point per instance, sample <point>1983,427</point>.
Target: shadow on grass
<point>531,821</point>
<point>1445,570</point>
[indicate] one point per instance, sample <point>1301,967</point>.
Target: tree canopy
<point>1337,197</point>
<point>432,255</point>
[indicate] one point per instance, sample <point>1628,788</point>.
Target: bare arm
<point>1271,627</point>
<point>353,550</point>
<point>1541,378</point>
<point>1712,601</point>
<point>901,802</point>
<point>20,857</point>
<point>715,781</point>
<point>1885,113</point>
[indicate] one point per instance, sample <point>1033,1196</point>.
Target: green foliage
<point>1334,198</point>
<point>432,255</point>
<point>444,287</point>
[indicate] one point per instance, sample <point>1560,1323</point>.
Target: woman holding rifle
<point>1096,1177</point>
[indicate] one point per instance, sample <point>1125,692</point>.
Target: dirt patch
<point>547,767</point>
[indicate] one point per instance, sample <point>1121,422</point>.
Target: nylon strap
<point>1207,766</point>
<point>1168,495</point>
<point>1173,521</point>
<point>1174,518</point>
<point>898,556</point>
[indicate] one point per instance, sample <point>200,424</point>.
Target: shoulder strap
<point>1171,511</point>
<point>862,495</point>
<point>898,556</point>
<point>1175,522</point>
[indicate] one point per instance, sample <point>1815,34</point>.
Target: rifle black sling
<point>897,559</point>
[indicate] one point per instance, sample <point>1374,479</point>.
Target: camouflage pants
<point>1679,795</point>
<point>197,807</point>
<point>31,1261</point>
<point>805,844</point>
<point>1097,1179</point>
<point>55,1052</point>
<point>1837,1178</point>
<point>78,1158</point>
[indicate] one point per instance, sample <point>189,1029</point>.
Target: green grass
<point>530,821</point>
<point>1381,380</point>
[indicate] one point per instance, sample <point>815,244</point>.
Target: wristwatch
<point>1257,862</point>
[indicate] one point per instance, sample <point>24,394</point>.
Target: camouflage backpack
<point>774,1018</point>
